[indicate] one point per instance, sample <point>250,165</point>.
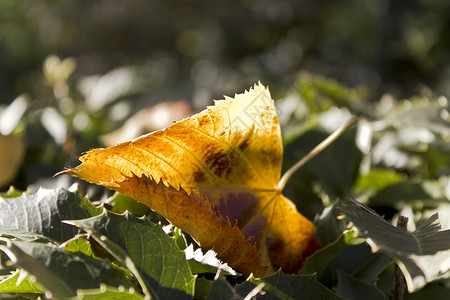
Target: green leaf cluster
<point>395,161</point>
<point>118,255</point>
<point>55,243</point>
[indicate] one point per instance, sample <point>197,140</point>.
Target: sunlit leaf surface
<point>215,175</point>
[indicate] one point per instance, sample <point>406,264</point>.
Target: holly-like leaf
<point>42,212</point>
<point>216,176</point>
<point>156,256</point>
<point>62,272</point>
<point>422,255</point>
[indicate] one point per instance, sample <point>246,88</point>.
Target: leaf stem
<point>325,143</point>
<point>398,290</point>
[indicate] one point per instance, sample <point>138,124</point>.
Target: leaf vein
<point>190,152</point>
<point>158,157</point>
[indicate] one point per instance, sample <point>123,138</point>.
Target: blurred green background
<point>76,75</point>
<point>72,72</point>
<point>202,49</point>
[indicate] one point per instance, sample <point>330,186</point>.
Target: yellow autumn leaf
<point>216,176</point>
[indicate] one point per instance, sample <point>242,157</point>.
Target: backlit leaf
<point>215,175</point>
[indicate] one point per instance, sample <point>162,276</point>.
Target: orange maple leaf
<point>215,175</point>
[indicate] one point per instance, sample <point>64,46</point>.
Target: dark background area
<point>203,49</point>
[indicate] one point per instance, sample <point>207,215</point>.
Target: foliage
<point>395,161</point>
<point>414,252</point>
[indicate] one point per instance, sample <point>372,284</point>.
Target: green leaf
<point>329,227</point>
<point>110,249</point>
<point>43,212</point>
<point>121,203</point>
<point>59,271</point>
<point>320,93</point>
<point>20,282</point>
<point>222,290</point>
<point>321,258</point>
<point>79,245</point>
<point>414,136</point>
<point>107,293</point>
<point>352,260</point>
<point>283,287</point>
<point>311,98</point>
<point>423,192</point>
<point>419,112</point>
<point>354,289</point>
<point>437,159</point>
<point>378,179</point>
<point>161,263</point>
<point>371,270</point>
<point>89,246</point>
<point>421,255</point>
<point>202,288</point>
<point>12,192</point>
<point>89,207</point>
<point>23,235</point>
<point>17,297</point>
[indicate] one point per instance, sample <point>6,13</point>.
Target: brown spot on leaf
<point>203,120</point>
<point>199,176</point>
<point>244,144</point>
<point>218,161</point>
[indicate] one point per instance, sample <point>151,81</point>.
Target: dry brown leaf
<point>219,166</point>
